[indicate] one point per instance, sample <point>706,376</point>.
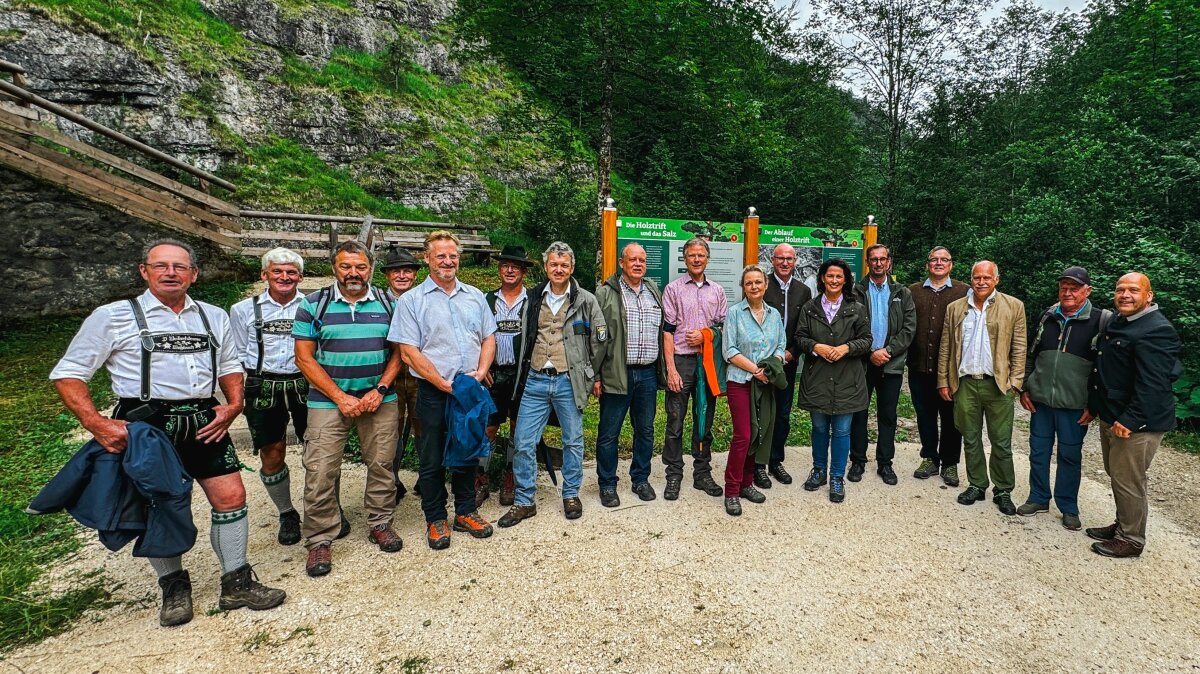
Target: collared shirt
<point>279,347</point>
<point>508,326</point>
<point>831,308</point>
<point>879,295</point>
<point>745,335</point>
<point>352,342</point>
<point>555,302</point>
<point>643,319</point>
<point>688,306</point>
<point>976,345</point>
<point>786,287</point>
<point>929,284</point>
<point>448,328</point>
<point>109,338</point>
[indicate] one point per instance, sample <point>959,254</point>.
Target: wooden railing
<point>372,231</point>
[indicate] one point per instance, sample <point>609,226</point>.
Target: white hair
<point>282,256</point>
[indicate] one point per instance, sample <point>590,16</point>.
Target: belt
<point>647,366</point>
<point>978,376</point>
<point>549,372</point>
<point>277,376</point>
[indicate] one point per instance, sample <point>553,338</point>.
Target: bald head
<point>985,276</point>
<point>1133,293</point>
<point>633,264</point>
<point>783,261</point>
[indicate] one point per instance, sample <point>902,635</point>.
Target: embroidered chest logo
<point>180,342</point>
<point>510,325</point>
<point>282,326</point>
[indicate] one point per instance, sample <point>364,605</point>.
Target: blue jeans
<point>1046,423</point>
<point>641,403</point>
<point>543,392</point>
<point>821,424</point>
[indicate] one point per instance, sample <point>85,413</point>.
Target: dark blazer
<point>839,387</point>
<point>1137,362</point>
<point>798,296</point>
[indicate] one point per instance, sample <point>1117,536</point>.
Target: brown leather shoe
<point>508,488</point>
<point>515,514</point>
<point>482,489</point>
<point>438,535</point>
<point>385,537</point>
<point>572,508</point>
<point>1103,533</point>
<point>1117,547</point>
<point>473,524</point>
<point>320,561</point>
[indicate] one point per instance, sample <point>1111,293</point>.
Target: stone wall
<point>63,254</point>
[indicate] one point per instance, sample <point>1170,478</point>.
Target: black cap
<point>1076,274</point>
<point>398,257</point>
<point>514,254</point>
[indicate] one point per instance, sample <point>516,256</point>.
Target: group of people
<point>447,364</point>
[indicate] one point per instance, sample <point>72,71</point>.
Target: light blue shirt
<point>879,296</point>
<point>448,328</point>
<point>976,345</point>
<point>744,335</point>
<point>948,284</point>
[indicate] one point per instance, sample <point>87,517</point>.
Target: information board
<point>663,240</point>
<point>814,245</point>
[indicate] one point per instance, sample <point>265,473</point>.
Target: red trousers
<point>739,469</point>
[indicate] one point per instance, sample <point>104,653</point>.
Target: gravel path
<point>896,578</point>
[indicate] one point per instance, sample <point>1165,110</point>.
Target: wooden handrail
<point>21,93</point>
<point>357,219</point>
<point>11,67</point>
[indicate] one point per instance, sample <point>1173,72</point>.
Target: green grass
<point>1184,441</point>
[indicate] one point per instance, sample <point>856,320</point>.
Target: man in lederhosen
<point>166,354</point>
<point>275,389</point>
<point>400,268</point>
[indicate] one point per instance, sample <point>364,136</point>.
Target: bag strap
<point>147,347</point>
<point>258,335</point>
<point>383,299</point>
<point>212,349</point>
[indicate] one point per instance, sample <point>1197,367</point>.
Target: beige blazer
<point>1006,333</point>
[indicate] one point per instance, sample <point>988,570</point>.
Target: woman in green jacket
<point>834,334</point>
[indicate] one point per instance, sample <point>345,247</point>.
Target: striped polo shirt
<point>352,343</point>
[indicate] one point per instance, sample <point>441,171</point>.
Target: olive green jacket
<point>839,387</point>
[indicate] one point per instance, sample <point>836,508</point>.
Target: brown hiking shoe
<point>482,489</point>
<point>508,489</point>
<point>438,535</point>
<point>1117,547</point>
<point>320,561</point>
<point>573,508</point>
<point>177,599</point>
<point>240,587</point>
<point>517,513</point>
<point>385,537</point>
<point>473,524</point>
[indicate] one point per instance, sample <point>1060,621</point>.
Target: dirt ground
<point>896,578</point>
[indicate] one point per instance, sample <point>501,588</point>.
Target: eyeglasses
<point>878,260</point>
<point>177,267</point>
<point>783,259</point>
<point>943,260</point>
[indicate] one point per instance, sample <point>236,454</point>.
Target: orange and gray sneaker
<point>473,524</point>
<point>438,535</point>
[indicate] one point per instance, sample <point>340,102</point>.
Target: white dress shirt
<point>109,338</point>
<point>976,345</point>
<point>279,347</point>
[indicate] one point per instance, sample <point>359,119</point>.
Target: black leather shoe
<point>1003,501</point>
<point>289,528</point>
<point>778,472</point>
<point>815,479</point>
<point>752,495</point>
<point>1116,548</point>
<point>761,479</point>
<point>345,530</point>
<point>837,490</point>
<point>672,491</point>
<point>972,495</point>
<point>644,491</point>
<point>733,506</point>
<point>856,471</point>
<point>1102,533</point>
<point>888,475</point>
<point>705,484</point>
<point>609,498</point>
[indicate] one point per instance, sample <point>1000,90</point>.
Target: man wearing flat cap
<point>400,268</point>
<point>1059,363</point>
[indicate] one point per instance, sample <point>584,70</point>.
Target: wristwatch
<point>381,389</point>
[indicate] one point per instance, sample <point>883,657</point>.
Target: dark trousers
<point>641,404</point>
<point>783,415</point>
<point>886,388</point>
<point>1045,425</point>
<point>702,439</point>
<point>944,449</point>
<point>431,445</point>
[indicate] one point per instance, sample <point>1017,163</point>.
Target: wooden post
<point>333,238</point>
<point>366,233</point>
<point>870,236</point>
<point>608,239</point>
<point>750,236</point>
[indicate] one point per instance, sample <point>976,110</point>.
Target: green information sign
<point>663,240</point>
<point>814,245</point>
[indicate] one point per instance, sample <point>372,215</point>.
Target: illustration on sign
<point>663,240</point>
<point>814,245</point>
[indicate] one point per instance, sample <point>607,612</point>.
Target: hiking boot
<point>705,484</point>
<point>438,535</point>
<point>780,474</point>
<point>1117,547</point>
<point>473,524</point>
<point>320,561</point>
<point>385,537</point>
<point>837,490</point>
<point>289,528</point>
<point>345,530</point>
<point>761,479</point>
<point>886,474</point>
<point>950,475</point>
<point>672,490</point>
<point>926,470</point>
<point>1029,508</point>
<point>515,514</point>
<point>401,490</point>
<point>240,587</point>
<point>1102,533</point>
<point>1004,504</point>
<point>177,599</point>
<point>815,479</point>
<point>609,498</point>
<point>733,506</point>
<point>1071,522</point>
<point>856,471</point>
<point>644,491</point>
<point>972,495</point>
<point>752,495</point>
<point>508,489</point>
<point>573,508</point>
<point>482,489</point>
